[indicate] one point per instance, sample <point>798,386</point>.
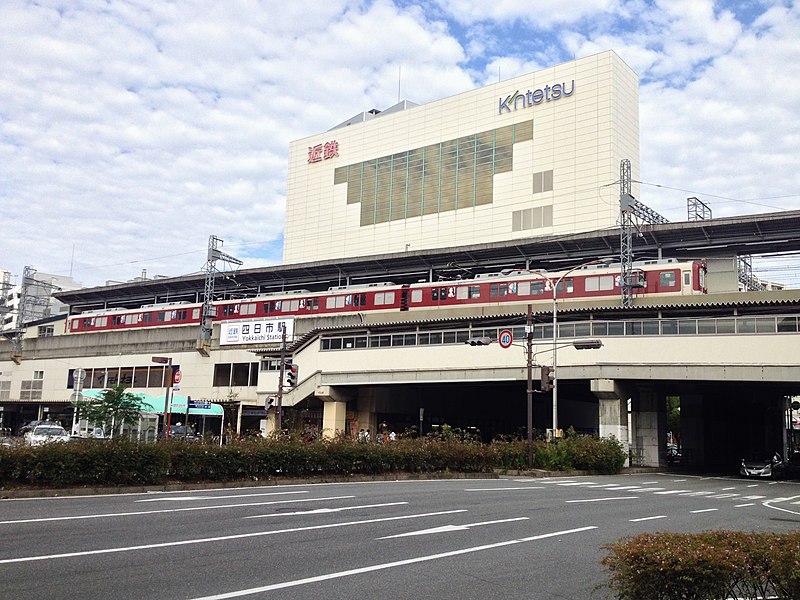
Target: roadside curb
<point>33,492</point>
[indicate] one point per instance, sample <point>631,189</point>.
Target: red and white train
<point>653,279</point>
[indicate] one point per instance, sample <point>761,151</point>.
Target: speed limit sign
<point>505,338</point>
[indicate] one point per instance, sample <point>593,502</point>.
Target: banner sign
<point>257,331</point>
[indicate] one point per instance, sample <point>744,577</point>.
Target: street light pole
<point>529,343</point>
<point>166,360</point>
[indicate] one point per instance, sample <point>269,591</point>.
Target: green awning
<point>155,404</point>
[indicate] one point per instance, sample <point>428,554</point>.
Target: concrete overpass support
<point>613,409</point>
<point>334,410</point>
<point>649,424</point>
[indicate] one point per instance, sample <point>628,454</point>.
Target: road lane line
<point>185,498</point>
<point>504,489</point>
<point>168,510</point>
<point>384,566</point>
<point>221,538</point>
<point>672,492</point>
<point>320,511</point>
<point>449,528</point>
<point>694,512</point>
<point>602,499</point>
<point>647,518</point>
<point>741,505</point>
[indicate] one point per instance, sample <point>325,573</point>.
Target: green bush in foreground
<point>705,566</point>
<point>121,462</point>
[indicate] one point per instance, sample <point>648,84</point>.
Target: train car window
<point>687,277</point>
<point>497,290</point>
<point>435,294</point>
<point>247,309</point>
<point>565,285</point>
<point>666,279</point>
<point>330,302</point>
<point>182,314</point>
<point>160,316</point>
<point>147,317</point>
<point>416,295</point>
<point>117,319</point>
<point>380,299</point>
<point>599,283</point>
<point>131,319</point>
<point>195,313</point>
<point>101,322</point>
<point>474,291</point>
<point>537,288</point>
<point>524,288</point>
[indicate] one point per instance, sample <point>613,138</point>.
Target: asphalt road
<point>443,539</point>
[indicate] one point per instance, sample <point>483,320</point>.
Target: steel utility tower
<point>630,207</point>
<point>210,269</point>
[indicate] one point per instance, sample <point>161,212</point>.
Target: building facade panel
<point>515,159</point>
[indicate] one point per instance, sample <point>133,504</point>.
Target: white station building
<point>526,157</point>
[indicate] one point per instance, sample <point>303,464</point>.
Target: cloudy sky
<point>131,130</point>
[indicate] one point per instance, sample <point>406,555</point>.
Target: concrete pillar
<point>334,416</point>
<point>613,406</point>
<point>649,421</point>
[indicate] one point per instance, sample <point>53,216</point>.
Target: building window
<point>5,390</point>
<point>236,374</point>
<point>46,330</point>
<point>31,389</point>
<point>543,182</point>
<point>447,176</point>
<point>532,218</point>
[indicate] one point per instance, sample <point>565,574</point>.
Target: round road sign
<point>505,338</point>
<point>176,377</point>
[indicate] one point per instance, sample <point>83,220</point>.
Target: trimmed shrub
<point>121,462</point>
<point>705,566</point>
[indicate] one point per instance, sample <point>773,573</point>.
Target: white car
<point>46,433</point>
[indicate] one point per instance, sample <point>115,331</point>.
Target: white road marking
<point>222,538</point>
<point>673,492</point>
<point>185,498</point>
<point>602,499</point>
<point>380,567</point>
<point>725,495</point>
<point>704,493</point>
<point>320,511</point>
<point>728,488</point>
<point>169,510</point>
<point>649,482</point>
<point>694,512</point>
<point>648,518</point>
<point>753,497</point>
<point>449,528</point>
<point>741,505</point>
<point>768,504</point>
<point>504,489</point>
<point>678,480</point>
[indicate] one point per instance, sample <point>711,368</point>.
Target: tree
<point>114,408</point>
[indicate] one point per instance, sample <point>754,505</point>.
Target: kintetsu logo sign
<point>530,98</point>
<point>323,151</point>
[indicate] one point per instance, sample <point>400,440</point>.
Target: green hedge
<point>120,462</point>
<point>705,566</point>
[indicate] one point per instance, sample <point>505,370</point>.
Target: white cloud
<point>136,130</point>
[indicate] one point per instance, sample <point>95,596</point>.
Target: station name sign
<point>257,331</point>
<point>548,93</point>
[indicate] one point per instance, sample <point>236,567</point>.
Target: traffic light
<point>291,375</point>
<point>548,375</point>
<point>478,341</point>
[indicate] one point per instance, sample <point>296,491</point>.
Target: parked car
<point>28,427</point>
<point>46,433</point>
<point>763,466</point>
